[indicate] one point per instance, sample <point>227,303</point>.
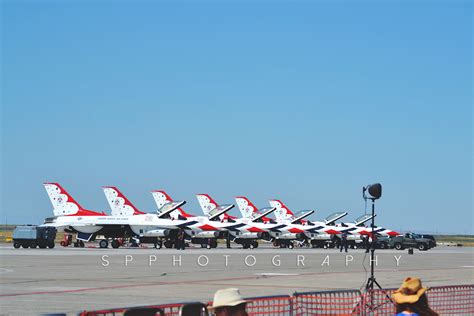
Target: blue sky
<point>302,101</point>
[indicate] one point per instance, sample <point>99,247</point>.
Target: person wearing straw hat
<point>410,299</point>
<point>228,302</point>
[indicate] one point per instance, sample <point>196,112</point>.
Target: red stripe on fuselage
<point>87,213</point>
<point>255,230</point>
<point>207,227</point>
<point>295,230</point>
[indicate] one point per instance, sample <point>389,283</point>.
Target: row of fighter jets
<point>161,228</point>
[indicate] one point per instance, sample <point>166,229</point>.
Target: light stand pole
<point>369,287</point>
<point>372,192</point>
<point>370,282</point>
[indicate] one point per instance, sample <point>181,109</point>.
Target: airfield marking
<point>247,285</point>
<point>3,270</point>
<point>275,274</point>
<point>195,282</point>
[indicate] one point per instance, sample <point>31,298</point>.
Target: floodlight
<point>372,191</point>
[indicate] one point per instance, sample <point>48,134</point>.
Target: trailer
<point>34,236</point>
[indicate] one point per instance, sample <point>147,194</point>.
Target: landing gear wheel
<point>208,246</point>
<point>254,244</point>
<point>16,244</point>
<point>213,243</point>
<point>25,245</point>
<point>290,245</point>
<point>158,244</point>
<point>42,245</point>
<point>103,243</point>
<point>33,244</point>
<point>51,244</point>
<point>115,244</point>
<point>398,246</point>
<point>81,243</point>
<point>168,244</point>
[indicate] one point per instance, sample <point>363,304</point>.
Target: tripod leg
<point>368,284</point>
<point>378,285</point>
<point>386,295</point>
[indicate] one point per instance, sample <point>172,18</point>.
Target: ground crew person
<point>180,243</point>
<point>366,243</point>
<point>343,242</point>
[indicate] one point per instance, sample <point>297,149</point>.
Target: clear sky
<point>302,101</point>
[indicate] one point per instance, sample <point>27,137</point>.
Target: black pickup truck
<point>431,238</point>
<point>410,240</point>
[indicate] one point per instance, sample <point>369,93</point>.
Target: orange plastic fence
<point>281,305</point>
<point>446,300</point>
<point>169,309</point>
<point>327,303</point>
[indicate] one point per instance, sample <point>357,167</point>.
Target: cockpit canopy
<point>167,208</point>
<point>218,209</point>
<point>332,218</point>
<point>299,218</point>
<point>359,221</point>
<point>261,215</point>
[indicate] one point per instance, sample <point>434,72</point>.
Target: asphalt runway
<point>35,281</point>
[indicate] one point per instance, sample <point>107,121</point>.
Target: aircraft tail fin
<point>119,204</point>
<point>161,198</point>
<point>246,207</point>
<point>282,213</point>
<point>63,203</point>
<point>206,202</point>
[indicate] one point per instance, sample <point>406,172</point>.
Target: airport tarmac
<point>35,281</point>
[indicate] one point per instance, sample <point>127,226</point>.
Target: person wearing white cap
<point>228,302</point>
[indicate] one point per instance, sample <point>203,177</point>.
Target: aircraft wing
<point>264,213</point>
<point>218,211</point>
<point>57,225</point>
<point>300,217</point>
<point>331,219</point>
<point>53,225</point>
<point>169,207</point>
